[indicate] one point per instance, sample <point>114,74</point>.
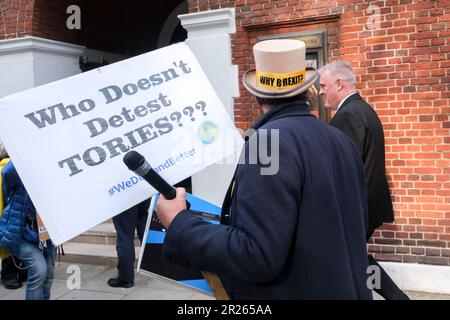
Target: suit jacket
<point>360,122</point>
<point>296,234</point>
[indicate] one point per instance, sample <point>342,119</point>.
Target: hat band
<point>280,81</point>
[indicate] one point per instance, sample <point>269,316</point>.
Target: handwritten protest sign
<point>67,138</point>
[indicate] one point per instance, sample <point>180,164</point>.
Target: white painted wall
<point>419,277</point>
<point>209,38</point>
<point>31,61</point>
<point>16,72</point>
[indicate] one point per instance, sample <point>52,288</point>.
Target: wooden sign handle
<point>215,285</point>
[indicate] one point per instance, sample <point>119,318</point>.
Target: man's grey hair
<point>3,153</point>
<point>340,69</point>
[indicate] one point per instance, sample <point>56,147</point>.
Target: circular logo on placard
<point>208,132</point>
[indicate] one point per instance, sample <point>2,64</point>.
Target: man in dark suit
<point>125,224</point>
<point>296,232</point>
<point>360,122</point>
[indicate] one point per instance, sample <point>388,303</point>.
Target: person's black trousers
<point>126,223</point>
<point>388,289</point>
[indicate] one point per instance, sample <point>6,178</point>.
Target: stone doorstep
<point>104,233</point>
<point>91,253</point>
<point>96,246</point>
<point>419,277</point>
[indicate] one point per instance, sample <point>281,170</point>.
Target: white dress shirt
<point>343,100</point>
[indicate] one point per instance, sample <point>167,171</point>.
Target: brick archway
<point>126,27</point>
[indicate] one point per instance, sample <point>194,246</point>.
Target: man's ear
<point>340,84</point>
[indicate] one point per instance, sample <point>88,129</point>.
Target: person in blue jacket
<point>19,234</point>
<point>293,231</point>
<point>13,270</point>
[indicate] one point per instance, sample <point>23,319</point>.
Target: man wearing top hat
<point>299,232</point>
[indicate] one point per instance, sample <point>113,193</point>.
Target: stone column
<point>209,38</point>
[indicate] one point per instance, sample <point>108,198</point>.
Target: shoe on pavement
<point>12,283</point>
<point>116,283</point>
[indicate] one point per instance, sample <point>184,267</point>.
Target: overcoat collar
<point>353,97</point>
<point>288,109</point>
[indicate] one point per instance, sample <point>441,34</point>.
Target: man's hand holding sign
<point>167,210</point>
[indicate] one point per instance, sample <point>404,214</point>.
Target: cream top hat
<point>280,69</point>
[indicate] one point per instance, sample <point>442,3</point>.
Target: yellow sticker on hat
<point>280,81</point>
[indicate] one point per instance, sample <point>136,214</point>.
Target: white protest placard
<point>67,139</point>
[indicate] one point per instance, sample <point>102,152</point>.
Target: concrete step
<point>91,253</point>
<point>96,246</point>
<point>104,233</point>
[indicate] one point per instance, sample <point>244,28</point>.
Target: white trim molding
<point>36,44</point>
<point>32,61</point>
<point>212,22</point>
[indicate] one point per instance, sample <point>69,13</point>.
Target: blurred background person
<point>126,223</point>
<point>19,235</point>
<point>13,270</point>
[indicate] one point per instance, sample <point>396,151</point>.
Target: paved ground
<point>420,296</point>
<point>92,286</point>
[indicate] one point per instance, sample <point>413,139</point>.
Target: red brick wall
<point>16,17</point>
<point>402,69</point>
<point>404,74</point>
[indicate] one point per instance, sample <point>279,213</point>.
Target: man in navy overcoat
<point>293,228</point>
